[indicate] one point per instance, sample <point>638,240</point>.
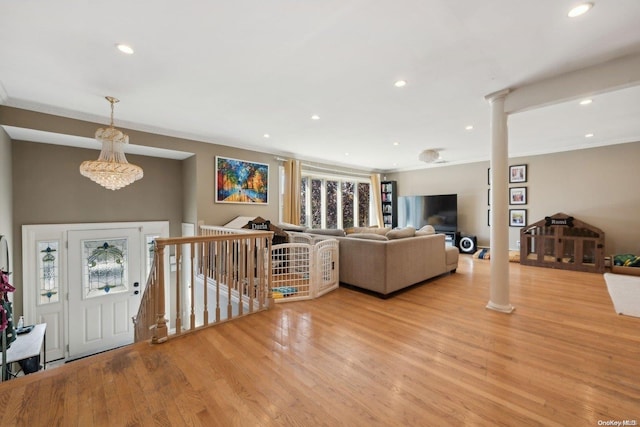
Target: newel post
<point>160,333</point>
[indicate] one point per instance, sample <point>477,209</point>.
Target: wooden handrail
<point>234,261</point>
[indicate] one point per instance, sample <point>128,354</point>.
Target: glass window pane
<point>49,272</point>
<point>347,204</point>
<point>363,204</point>
<point>316,203</point>
<point>331,209</point>
<point>105,267</point>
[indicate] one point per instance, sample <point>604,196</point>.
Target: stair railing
<point>223,270</point>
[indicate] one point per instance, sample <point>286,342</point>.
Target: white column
<point>499,290</point>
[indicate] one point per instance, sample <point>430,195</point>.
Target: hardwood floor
<point>432,355</point>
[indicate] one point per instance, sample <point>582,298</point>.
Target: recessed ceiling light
<point>266,135</point>
<point>346,154</point>
<point>586,101</point>
<point>315,117</point>
<point>468,127</point>
<point>581,9</point>
<point>400,83</point>
<point>589,135</point>
<point>125,48</point>
<point>396,143</point>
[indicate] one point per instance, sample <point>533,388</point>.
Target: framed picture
<point>517,173</point>
<point>518,196</point>
<point>240,181</point>
<point>517,217</point>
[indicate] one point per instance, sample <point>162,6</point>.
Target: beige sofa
<point>385,261</point>
<point>386,266</point>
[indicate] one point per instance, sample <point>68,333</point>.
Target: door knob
<point>136,284</point>
<point>136,292</point>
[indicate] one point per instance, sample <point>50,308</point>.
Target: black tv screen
<point>440,211</point>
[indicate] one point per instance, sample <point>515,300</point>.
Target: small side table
<point>29,345</point>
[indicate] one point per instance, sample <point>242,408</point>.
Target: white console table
<point>28,345</point>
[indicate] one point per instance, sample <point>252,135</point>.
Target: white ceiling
<point>228,72</point>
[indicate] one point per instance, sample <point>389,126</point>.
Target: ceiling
<point>229,72</point>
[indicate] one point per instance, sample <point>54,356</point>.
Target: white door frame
<point>57,320</point>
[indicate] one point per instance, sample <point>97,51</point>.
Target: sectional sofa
<point>384,260</point>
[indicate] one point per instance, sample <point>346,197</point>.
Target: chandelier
<point>111,170</point>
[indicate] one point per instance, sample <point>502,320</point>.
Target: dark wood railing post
<point>160,334</point>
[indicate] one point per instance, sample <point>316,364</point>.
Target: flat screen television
<point>440,211</point>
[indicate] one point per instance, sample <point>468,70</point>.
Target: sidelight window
<point>49,272</point>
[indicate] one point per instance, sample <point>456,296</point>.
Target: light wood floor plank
<point>431,355</point>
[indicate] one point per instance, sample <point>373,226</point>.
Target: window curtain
<point>292,178</point>
<point>377,199</point>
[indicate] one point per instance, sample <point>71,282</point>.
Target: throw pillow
<point>426,231</point>
<point>401,233</point>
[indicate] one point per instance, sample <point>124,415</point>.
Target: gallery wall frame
<point>241,181</point>
<point>518,196</point>
<point>517,217</point>
<point>517,173</point>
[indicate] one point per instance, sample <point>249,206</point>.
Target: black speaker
<point>468,244</point>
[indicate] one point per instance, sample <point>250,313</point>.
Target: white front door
<point>105,287</point>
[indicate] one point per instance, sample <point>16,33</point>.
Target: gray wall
<point>178,191</point>
<point>220,213</point>
<point>198,173</point>
<point>594,185</point>
<point>48,189</point>
<point>6,206</point>
<point>189,190</point>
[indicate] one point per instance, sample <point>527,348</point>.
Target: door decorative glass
<point>49,272</point>
<point>105,267</point>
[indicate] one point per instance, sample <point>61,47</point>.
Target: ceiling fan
<point>431,155</point>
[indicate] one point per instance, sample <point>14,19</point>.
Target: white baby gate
<point>305,268</point>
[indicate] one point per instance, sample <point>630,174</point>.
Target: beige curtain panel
<point>292,178</point>
<point>377,200</point>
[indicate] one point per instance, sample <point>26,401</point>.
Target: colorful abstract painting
<point>239,181</point>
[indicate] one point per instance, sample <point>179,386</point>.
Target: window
<point>48,272</point>
<point>334,202</point>
<point>105,267</point>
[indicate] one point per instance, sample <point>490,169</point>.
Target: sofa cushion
<point>426,230</point>
<point>401,233</point>
<point>369,236</point>
<point>374,230</point>
<point>326,231</point>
